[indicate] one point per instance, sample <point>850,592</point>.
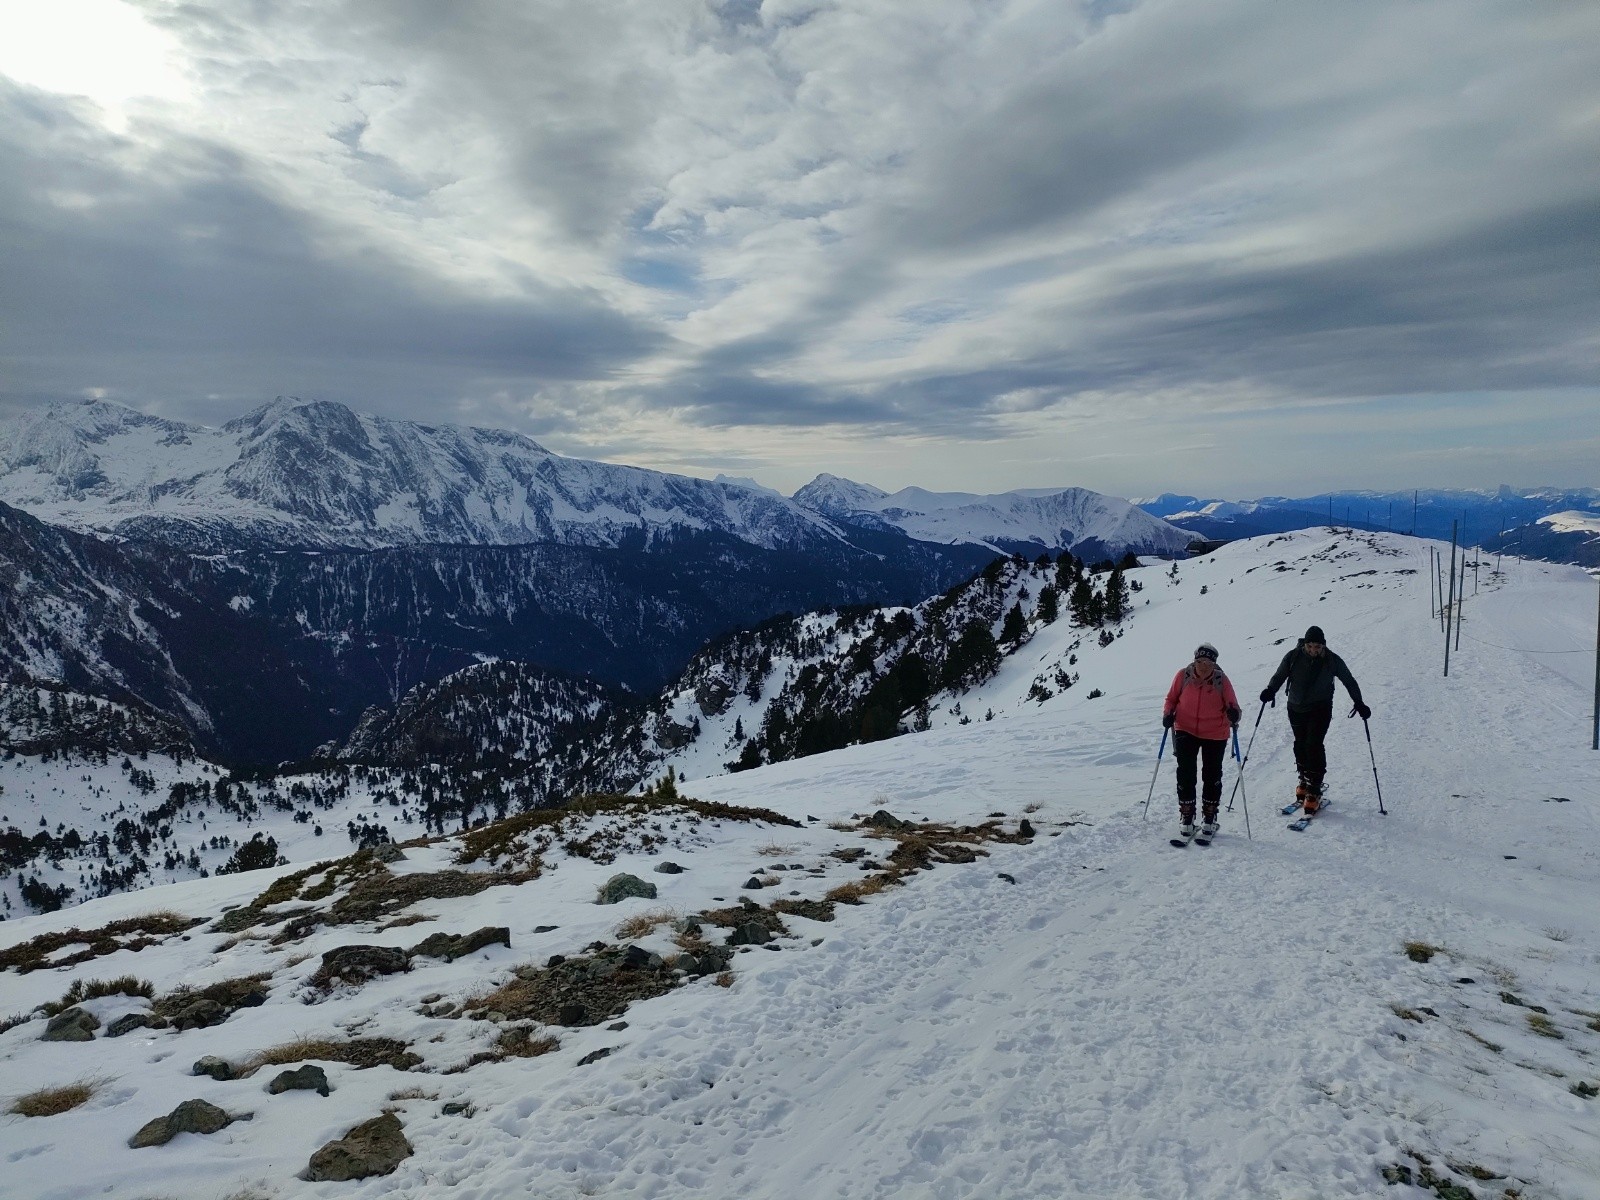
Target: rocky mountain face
<point>316,474</point>
<point>788,688</point>
<point>264,656</point>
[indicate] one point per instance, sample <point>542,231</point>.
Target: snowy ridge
<point>1089,524</point>
<point>296,473</point>
<point>1086,1012</point>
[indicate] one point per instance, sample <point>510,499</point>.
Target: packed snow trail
<point>1121,1021</point>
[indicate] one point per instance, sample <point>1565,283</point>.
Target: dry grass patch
<point>1421,952</point>
<point>95,989</point>
<point>1492,1047</point>
<point>47,1102</point>
<point>857,890</point>
<point>411,1093</point>
<point>1544,1027</point>
<point>641,824</point>
<point>360,1053</point>
<point>407,920</point>
<point>520,1041</point>
<point>1405,1014</point>
<point>774,850</point>
<point>11,1022</point>
<point>644,924</point>
<point>724,979</point>
<point>1556,934</point>
<point>134,933</point>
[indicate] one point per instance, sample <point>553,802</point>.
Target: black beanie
<point>1314,634</point>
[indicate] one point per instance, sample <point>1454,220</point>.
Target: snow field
<point>1125,1020</point>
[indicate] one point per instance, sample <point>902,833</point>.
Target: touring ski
<point>1204,839</point>
<point>1290,807</point>
<point>1182,842</point>
<point>1299,826</point>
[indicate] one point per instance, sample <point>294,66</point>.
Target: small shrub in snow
<point>48,1102</point>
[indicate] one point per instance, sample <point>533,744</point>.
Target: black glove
<point>1267,695</point>
<point>1361,710</point>
<point>1168,720</point>
<point>1233,716</point>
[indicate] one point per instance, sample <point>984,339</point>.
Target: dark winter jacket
<point>1311,679</point>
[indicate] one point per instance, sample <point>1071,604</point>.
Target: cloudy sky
<point>1226,247</point>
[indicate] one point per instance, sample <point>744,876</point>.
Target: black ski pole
<point>1239,782</point>
<point>1382,812</point>
<point>1154,773</point>
<point>1246,757</point>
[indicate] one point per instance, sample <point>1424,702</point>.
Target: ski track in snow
<point>1125,1020</point>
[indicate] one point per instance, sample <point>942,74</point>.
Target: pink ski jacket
<point>1202,708</point>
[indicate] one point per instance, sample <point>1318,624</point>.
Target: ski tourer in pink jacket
<point>1202,702</point>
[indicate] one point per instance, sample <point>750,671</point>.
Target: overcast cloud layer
<point>1224,247</point>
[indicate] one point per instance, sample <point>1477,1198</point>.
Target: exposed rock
<point>1025,829</point>
<point>192,1116</point>
<point>200,1014</point>
<point>309,1078</point>
<point>1003,875</point>
<point>358,964</point>
<point>219,1069</point>
<point>451,946</point>
<point>621,887</point>
<point>545,928</point>
<point>668,868</point>
<point>595,1056</point>
<point>374,1147</point>
<point>751,933</point>
<point>389,853</point>
<point>640,959</point>
<point>884,819</point>
<point>752,884</point>
<point>128,1022</point>
<point>572,1014</point>
<point>73,1025</point>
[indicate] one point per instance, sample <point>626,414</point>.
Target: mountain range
<point>266,583</point>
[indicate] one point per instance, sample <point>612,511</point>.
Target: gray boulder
<point>884,819</point>
<point>751,933</point>
<point>128,1022</point>
<point>449,946</point>
<point>201,1014</point>
<point>309,1078</point>
<point>72,1025</point>
<point>374,1147</point>
<point>389,853</point>
<point>358,964</point>
<point>219,1069</point>
<point>192,1116</point>
<point>668,868</point>
<point>621,887</point>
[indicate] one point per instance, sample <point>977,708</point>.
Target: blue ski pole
<point>1156,772</point>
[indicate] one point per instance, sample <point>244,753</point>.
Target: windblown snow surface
<point>1090,1014</point>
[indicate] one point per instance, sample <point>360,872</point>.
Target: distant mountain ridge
<point>1479,515</point>
<point>1026,521</point>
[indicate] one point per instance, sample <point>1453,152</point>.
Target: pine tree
<point>1049,605</point>
<point>1016,625</point>
<point>1116,595</point>
<point>1082,602</point>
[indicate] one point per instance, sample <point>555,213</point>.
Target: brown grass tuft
<point>1544,1027</point>
<point>47,1102</point>
<point>644,924</point>
<point>725,979</point>
<point>357,1052</point>
<point>1421,952</point>
<point>858,890</point>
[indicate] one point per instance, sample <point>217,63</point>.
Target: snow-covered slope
<point>296,473</point>
<point>1089,524</point>
<point>1084,1013</point>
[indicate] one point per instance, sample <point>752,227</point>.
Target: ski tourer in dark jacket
<point>1310,669</point>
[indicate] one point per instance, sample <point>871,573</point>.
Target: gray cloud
<point>954,221</point>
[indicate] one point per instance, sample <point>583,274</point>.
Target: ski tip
<point>1180,843</point>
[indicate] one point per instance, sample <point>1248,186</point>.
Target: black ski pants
<point>1209,751</point>
<point>1310,727</point>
